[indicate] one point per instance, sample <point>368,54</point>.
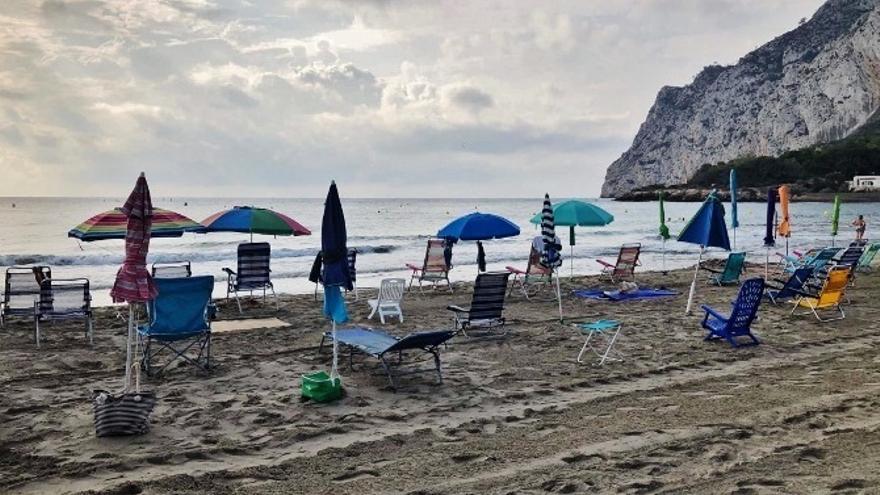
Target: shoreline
<point>744,195</point>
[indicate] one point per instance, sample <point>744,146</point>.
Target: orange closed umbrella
<point>784,227</point>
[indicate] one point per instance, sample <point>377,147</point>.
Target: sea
<point>388,233</point>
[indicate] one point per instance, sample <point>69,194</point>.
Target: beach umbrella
<point>835,218</point>
<point>550,257</point>
<point>478,226</point>
<point>113,224</point>
<point>707,229</point>
<point>664,230</point>
<point>574,213</point>
<point>769,235</point>
<point>335,273</point>
<point>133,282</point>
<point>784,227</point>
<point>252,220</point>
<point>734,218</point>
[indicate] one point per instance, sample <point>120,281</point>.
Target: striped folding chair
<point>253,272</point>
<point>63,300</point>
<point>174,269</point>
<point>434,269</point>
<point>21,290</point>
<point>486,312</point>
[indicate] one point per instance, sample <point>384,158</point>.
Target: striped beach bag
<point>123,414</point>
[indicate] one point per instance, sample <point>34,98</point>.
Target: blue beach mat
<point>616,295</point>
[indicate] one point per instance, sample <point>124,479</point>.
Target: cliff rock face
<point>815,84</point>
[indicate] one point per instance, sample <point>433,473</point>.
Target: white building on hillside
<point>865,183</point>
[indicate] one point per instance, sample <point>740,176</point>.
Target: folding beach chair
<point>609,330</point>
<point>738,324</point>
<point>627,261</point>
<point>381,345</point>
<point>534,278</point>
<point>864,265</point>
<point>21,290</point>
<point>178,323</point>
<point>829,297</point>
<point>788,289</point>
<point>352,271</point>
<point>175,269</point>
<point>253,272</point>
<point>434,269</point>
<point>487,306</point>
<point>792,262</point>
<point>387,303</point>
<point>63,300</point>
<point>732,271</point>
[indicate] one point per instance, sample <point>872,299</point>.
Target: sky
<point>418,98</point>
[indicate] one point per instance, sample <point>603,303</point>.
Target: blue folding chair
<point>738,324</point>
<point>179,322</point>
<point>788,289</point>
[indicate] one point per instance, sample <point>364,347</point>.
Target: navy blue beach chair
<point>738,324</point>
<point>179,322</point>
<point>383,346</point>
<point>788,289</point>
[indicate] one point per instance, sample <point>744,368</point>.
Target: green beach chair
<point>733,270</point>
<point>864,264</point>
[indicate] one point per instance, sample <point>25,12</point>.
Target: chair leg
<point>37,330</point>
<point>400,313</point>
<point>437,366</point>
<point>91,330</point>
<point>238,302</point>
<point>387,368</point>
<point>274,296</point>
<point>382,316</point>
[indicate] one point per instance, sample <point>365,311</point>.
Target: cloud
<point>469,98</point>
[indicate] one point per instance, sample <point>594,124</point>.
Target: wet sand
<point>797,414</point>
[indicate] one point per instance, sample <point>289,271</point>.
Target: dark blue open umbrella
<point>335,273</point>
<point>479,227</point>
<point>707,229</point>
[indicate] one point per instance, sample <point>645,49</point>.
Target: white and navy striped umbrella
<point>550,257</point>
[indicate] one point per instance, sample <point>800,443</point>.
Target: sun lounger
<point>738,323</point>
<point>383,346</point>
<point>21,290</point>
<point>179,323</point>
<point>434,269</point>
<point>486,311</point>
<point>829,298</point>
<point>627,261</point>
<point>732,271</point>
<point>63,300</point>
<point>784,290</point>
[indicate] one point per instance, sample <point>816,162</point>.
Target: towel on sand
<point>616,295</point>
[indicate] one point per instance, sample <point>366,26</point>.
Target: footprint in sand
<point>851,484</point>
<point>356,475</point>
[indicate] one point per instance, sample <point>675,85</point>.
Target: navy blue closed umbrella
<point>335,274</point>
<point>707,229</point>
<point>769,233</point>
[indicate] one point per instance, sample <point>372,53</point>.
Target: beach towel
<point>616,295</point>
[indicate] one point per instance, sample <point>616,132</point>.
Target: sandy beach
<point>796,414</point>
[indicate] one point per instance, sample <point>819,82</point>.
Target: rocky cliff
<point>815,84</point>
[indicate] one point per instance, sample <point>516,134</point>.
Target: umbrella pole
<point>767,265</point>
<point>334,372</point>
<point>694,284</point>
<point>664,255</point>
<point>559,298</point>
<point>734,238</point>
<point>571,261</point>
<point>128,349</point>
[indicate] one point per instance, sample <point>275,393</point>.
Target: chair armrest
<point>515,270</point>
<point>413,267</point>
<point>457,309</point>
<point>711,270</point>
<point>710,311</point>
<point>805,294</point>
<point>605,264</point>
<point>230,271</point>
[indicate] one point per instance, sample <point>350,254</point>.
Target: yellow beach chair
<point>829,298</point>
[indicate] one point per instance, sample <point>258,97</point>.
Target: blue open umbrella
<point>335,274</point>
<point>478,226</point>
<point>707,229</point>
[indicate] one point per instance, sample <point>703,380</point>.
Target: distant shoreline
<point>745,195</point>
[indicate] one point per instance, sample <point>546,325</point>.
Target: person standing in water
<point>861,226</point>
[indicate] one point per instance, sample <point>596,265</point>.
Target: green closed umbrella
<point>835,218</point>
<point>573,213</point>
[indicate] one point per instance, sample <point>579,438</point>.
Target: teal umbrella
<point>574,213</point>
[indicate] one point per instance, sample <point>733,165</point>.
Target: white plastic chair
<point>390,296</point>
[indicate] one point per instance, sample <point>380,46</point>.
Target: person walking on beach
<point>861,226</point>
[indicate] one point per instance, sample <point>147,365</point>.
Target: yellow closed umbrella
<point>784,227</point>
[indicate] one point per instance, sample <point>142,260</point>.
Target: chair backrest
<point>352,264</point>
<point>181,306</point>
<point>746,305</point>
<point>535,270</point>
<point>797,279</point>
<point>834,287</point>
<point>869,255</point>
<point>488,300</point>
<point>65,297</point>
<point>177,269</point>
<point>733,268</point>
<point>627,259</point>
<point>22,287</point>
<point>253,264</point>
<point>823,257</point>
<point>849,256</point>
<point>435,259</point>
<point>391,290</point>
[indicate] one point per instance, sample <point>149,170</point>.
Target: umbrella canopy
<point>113,224</point>
<point>707,228</point>
<point>664,230</point>
<point>574,213</point>
<point>550,255</point>
<point>252,220</point>
<point>835,215</point>
<point>784,228</point>
<point>479,227</point>
<point>769,236</point>
<point>133,281</point>
<point>335,270</point>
